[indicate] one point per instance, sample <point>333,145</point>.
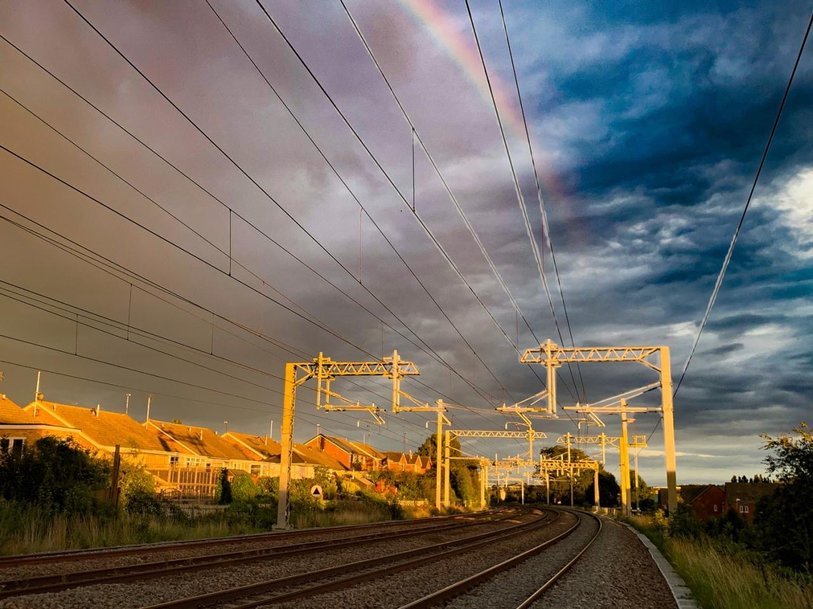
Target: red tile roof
<point>102,427</point>
<point>200,440</point>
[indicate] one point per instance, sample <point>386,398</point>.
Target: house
<point>706,501</point>
<point>352,455</point>
<point>102,430</point>
<point>406,462</point>
<point>743,497</point>
<point>304,459</point>
<point>19,428</point>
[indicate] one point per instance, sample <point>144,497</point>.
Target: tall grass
<point>725,577</point>
<point>25,529</point>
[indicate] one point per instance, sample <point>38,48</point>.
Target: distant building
<point>706,501</point>
<point>19,428</point>
<point>406,462</point>
<point>352,455</point>
<point>742,497</point>
<point>102,430</point>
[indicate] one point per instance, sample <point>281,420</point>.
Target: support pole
<point>551,370</point>
<point>439,458</point>
<point>668,430</point>
<point>596,494</point>
<point>447,487</point>
<point>637,475</point>
<point>483,478</point>
<point>522,491</point>
<point>624,462</point>
<point>287,431</point>
<point>547,487</point>
<point>570,467</point>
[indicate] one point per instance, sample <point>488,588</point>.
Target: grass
<point>725,577</point>
<point>26,529</point>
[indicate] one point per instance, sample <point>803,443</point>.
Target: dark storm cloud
<point>648,120</point>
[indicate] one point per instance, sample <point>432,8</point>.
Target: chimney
<point>96,410</point>
<point>201,435</point>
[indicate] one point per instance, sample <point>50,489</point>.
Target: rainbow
<point>461,48</point>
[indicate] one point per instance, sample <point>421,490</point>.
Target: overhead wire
<point>136,276</point>
<point>417,137</point>
<point>542,209</point>
<point>729,253</point>
<point>422,346</point>
<point>251,178</point>
<point>518,191</point>
<point>378,164</point>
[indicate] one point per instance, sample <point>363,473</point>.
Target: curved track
<point>357,535</point>
<point>446,560</point>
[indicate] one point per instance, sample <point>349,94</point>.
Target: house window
<point>12,446</point>
<point>743,509</point>
<point>173,461</point>
<point>715,508</point>
<point>255,469</point>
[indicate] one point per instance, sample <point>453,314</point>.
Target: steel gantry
<point>559,467</point>
<point>656,358</point>
<point>325,370</point>
<point>479,433</point>
<point>623,442</point>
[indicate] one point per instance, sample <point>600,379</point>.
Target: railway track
<point>331,579</point>
<point>19,560</point>
<point>445,563</point>
<point>358,536</point>
<point>467,584</point>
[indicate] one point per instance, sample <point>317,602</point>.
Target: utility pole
<point>570,467</point>
<point>447,487</point>
<point>325,370</point>
<point>551,355</point>
<point>439,460</point>
<point>596,494</point>
<point>624,461</point>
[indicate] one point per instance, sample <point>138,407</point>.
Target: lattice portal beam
<point>637,439</point>
<point>325,370</point>
<point>550,352</point>
<point>553,356</point>
<point>562,467</point>
<point>480,433</point>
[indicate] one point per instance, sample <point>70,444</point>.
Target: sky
<point>271,196</point>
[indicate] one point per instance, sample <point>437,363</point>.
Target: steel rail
<point>464,585</point>
<point>16,560</point>
<point>556,576</point>
<point>141,571</point>
<point>256,595</point>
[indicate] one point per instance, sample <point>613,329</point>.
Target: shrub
<point>55,475</point>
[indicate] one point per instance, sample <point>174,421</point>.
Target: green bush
<point>55,475</point>
<point>243,487</point>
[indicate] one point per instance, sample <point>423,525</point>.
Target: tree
<point>429,448</point>
<point>224,495</point>
<point>784,520</point>
<point>56,475</point>
<point>608,490</point>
